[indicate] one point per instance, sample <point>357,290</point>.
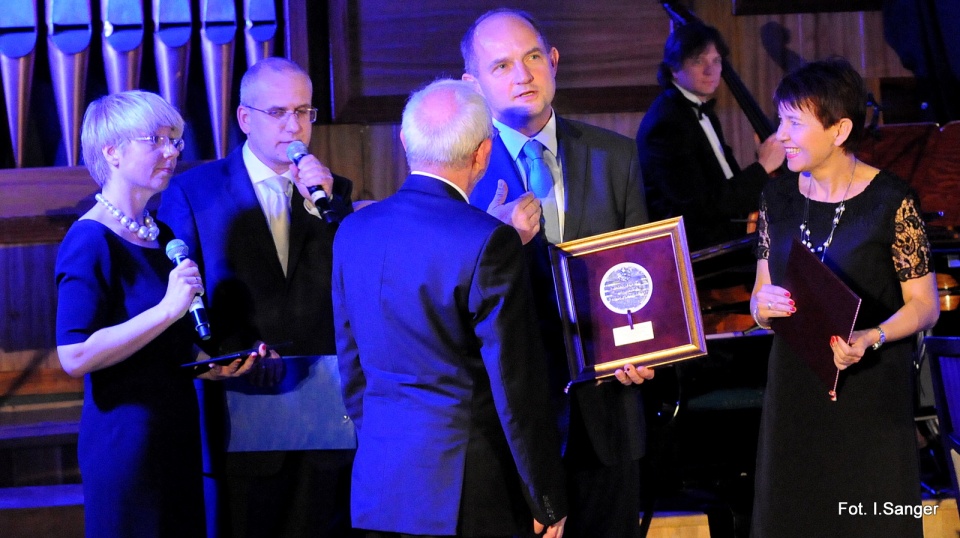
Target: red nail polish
<point>791,303</point>
<point>787,294</point>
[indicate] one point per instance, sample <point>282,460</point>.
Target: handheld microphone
<point>177,251</point>
<point>296,151</point>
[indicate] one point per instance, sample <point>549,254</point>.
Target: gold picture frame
<point>627,297</point>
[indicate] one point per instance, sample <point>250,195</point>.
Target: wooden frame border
<point>581,351</point>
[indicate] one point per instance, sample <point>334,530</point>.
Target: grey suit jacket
<point>604,193</point>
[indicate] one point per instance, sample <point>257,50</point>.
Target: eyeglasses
<point>282,114</point>
<point>161,141</point>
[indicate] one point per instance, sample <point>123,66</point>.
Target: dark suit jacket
<point>441,370</point>
<point>603,193</point>
<point>682,176</point>
<point>214,209</point>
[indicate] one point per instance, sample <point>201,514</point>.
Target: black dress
<point>815,454</point>
<point>139,445</point>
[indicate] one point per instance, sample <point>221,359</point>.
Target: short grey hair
<point>273,64</point>
<point>115,119</point>
<point>445,137</point>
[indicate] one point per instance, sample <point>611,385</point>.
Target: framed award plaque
<point>627,297</point>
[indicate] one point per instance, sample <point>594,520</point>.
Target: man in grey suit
<point>584,181</point>
<point>266,257</point>
<point>442,370</point>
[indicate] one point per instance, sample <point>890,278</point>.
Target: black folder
<point>825,307</point>
<point>223,360</point>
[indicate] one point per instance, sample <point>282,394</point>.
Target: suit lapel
<point>573,157</point>
<point>251,226</point>
<point>300,222</point>
<point>502,166</point>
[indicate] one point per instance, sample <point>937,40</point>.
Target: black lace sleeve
<point>762,250</point>
<point>911,248</point>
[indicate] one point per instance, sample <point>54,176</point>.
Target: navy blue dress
<point>139,445</point>
<point>815,454</point>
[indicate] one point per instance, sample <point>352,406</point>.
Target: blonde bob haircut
<point>115,119</point>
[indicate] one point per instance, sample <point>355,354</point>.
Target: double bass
<point>725,308</point>
<point>761,124</point>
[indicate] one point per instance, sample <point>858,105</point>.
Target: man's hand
<point>523,213</point>
<point>311,172</point>
<point>631,375</point>
<point>553,531</point>
<point>269,369</point>
<point>771,154</point>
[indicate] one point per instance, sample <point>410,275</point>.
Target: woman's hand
<point>847,354</point>
<point>771,302</point>
<point>183,285</point>
<point>238,367</point>
<point>110,345</point>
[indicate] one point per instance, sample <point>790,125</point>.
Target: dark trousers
<point>379,534</point>
<point>604,500</point>
<point>308,496</point>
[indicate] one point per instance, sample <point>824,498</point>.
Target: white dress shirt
<point>709,131</point>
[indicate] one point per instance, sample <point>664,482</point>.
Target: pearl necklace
<point>147,231</point>
<point>837,213</point>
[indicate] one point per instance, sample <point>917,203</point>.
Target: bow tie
<point>704,108</point>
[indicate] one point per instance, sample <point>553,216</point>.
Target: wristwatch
<point>882,340</point>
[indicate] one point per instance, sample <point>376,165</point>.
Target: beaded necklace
<point>148,231</point>
<point>837,213</point>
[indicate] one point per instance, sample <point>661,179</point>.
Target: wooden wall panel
<point>608,58</point>
<point>625,123</point>
<point>759,7</point>
<point>370,155</point>
<point>382,50</point>
<point>765,47</point>
<point>45,191</point>
<point>28,301</point>
<point>28,359</point>
<point>602,46</point>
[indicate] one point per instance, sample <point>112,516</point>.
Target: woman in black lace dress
<point>848,467</point>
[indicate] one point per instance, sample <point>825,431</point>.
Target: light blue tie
<point>540,182</point>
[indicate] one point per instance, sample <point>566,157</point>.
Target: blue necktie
<point>540,182</point>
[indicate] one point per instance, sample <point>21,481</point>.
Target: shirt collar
<point>688,94</point>
<point>514,140</point>
<point>445,180</point>
<point>258,171</point>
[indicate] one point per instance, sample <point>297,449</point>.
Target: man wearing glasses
<point>266,257</point>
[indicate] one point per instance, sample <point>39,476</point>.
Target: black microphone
<point>296,151</point>
<point>177,251</point>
